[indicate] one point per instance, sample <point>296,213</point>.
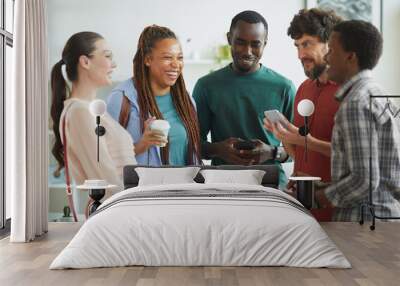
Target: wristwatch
<point>279,153</point>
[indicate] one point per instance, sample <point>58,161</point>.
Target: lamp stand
<point>96,195</point>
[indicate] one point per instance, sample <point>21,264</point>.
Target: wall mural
<point>366,10</point>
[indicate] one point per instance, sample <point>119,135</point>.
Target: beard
<point>316,71</point>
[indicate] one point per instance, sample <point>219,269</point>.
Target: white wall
<point>388,70</point>
<point>205,22</point>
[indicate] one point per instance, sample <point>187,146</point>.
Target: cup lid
<point>160,124</point>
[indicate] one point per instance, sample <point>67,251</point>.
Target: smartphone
<point>244,145</point>
<point>274,116</point>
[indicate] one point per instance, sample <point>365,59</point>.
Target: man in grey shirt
<point>354,50</point>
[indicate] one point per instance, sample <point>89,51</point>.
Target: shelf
<point>205,62</point>
<point>58,186</point>
<point>59,217</point>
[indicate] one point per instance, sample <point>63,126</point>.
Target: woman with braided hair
<point>157,91</point>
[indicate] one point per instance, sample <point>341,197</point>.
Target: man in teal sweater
<point>231,101</point>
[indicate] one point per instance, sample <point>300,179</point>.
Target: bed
<point>201,224</point>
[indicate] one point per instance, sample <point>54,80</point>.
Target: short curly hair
<point>363,39</point>
<point>314,22</point>
<point>249,16</point>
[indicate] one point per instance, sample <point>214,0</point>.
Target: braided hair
<point>180,97</point>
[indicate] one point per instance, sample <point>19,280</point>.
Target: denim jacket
<point>152,156</point>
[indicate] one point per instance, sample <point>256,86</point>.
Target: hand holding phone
<point>244,145</point>
<point>274,116</point>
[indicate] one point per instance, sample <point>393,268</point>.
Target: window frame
<point>6,39</point>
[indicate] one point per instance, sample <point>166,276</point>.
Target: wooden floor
<point>374,255</point>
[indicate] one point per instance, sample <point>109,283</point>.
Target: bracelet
<point>277,153</point>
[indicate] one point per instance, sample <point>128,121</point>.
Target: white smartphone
<point>274,116</point>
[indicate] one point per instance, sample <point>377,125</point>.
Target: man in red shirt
<point>310,30</point>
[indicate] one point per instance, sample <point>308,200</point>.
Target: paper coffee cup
<point>162,126</point>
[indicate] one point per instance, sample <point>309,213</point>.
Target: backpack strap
<point>125,111</point>
<point>67,177</point>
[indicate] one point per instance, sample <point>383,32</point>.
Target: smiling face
<point>311,52</point>
<point>165,63</point>
<point>247,45</point>
<point>100,64</point>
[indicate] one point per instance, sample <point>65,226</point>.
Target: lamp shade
<point>305,107</point>
<point>97,107</point>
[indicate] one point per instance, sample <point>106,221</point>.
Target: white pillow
<point>248,177</point>
<point>164,176</point>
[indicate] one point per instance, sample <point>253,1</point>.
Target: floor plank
<point>374,255</point>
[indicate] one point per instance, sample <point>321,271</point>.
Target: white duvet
<point>183,231</point>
